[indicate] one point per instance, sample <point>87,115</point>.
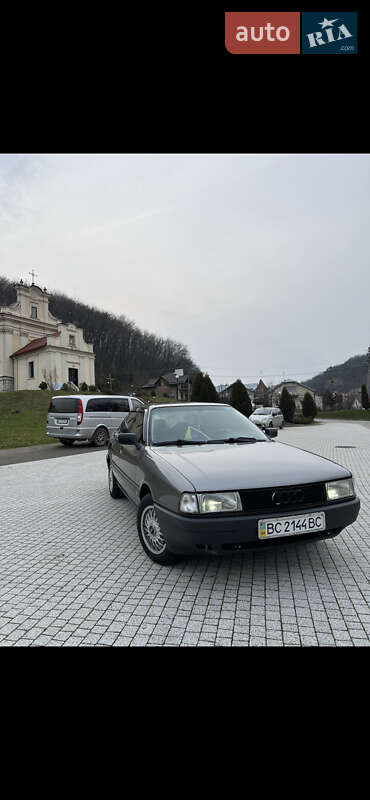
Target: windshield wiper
<point>233,440</point>
<point>178,442</point>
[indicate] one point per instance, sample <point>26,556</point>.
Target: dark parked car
<point>206,480</point>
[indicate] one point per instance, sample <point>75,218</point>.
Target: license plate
<point>290,526</point>
<point>61,421</point>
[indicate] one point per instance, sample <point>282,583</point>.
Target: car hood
<point>247,466</point>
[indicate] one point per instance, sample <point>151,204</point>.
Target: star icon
<point>326,23</point>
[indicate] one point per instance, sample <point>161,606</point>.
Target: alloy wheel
<point>151,531</point>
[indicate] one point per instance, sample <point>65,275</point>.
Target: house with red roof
<point>35,346</point>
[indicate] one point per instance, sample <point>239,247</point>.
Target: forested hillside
<point>342,377</point>
<point>130,355</point>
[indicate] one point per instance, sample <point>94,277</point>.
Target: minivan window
<point>63,405</point>
<point>120,404</point>
<point>97,404</point>
<point>136,404</point>
<point>108,404</point>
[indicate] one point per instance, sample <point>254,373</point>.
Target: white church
<point>36,347</point>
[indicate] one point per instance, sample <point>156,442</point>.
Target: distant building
<point>262,394</point>
<point>36,347</point>
<point>352,399</point>
<point>169,385</point>
<point>221,387</point>
<point>297,391</point>
<point>224,391</point>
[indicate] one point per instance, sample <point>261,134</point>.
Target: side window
<point>91,405</point>
<point>97,404</point>
<point>136,404</point>
<point>120,404</point>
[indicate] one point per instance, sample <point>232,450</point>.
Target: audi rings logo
<point>288,497</point>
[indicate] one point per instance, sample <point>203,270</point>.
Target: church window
<point>34,312</point>
<point>31,370</point>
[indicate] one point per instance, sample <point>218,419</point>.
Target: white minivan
<point>75,418</point>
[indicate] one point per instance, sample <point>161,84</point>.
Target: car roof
<point>88,396</point>
<point>184,405</point>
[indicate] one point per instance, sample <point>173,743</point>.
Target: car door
<point>126,458</point>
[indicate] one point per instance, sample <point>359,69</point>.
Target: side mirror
<point>127,438</point>
<point>271,432</point>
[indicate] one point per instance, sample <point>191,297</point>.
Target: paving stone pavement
<point>73,573</point>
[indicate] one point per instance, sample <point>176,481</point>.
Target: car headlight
<point>338,490</point>
<point>211,502</point>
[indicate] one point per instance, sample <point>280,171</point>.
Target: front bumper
<point>192,535</point>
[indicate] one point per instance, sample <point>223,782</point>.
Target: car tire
<point>100,437</point>
<point>281,426</point>
<point>113,487</point>
<point>67,442</point>
<point>150,534</point>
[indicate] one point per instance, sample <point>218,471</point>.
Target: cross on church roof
<point>34,275</point>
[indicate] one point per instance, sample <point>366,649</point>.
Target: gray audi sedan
<point>206,480</point>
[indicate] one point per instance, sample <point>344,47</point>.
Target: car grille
<point>283,498</point>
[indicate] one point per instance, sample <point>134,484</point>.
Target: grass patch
<point>354,413</point>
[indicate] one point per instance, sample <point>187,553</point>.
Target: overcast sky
<point>258,263</point>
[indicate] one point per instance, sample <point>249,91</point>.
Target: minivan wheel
<point>114,489</point>
<point>67,442</point>
<point>150,533</point>
<point>100,437</point>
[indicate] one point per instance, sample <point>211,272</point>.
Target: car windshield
<point>192,424</point>
<point>263,411</point>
